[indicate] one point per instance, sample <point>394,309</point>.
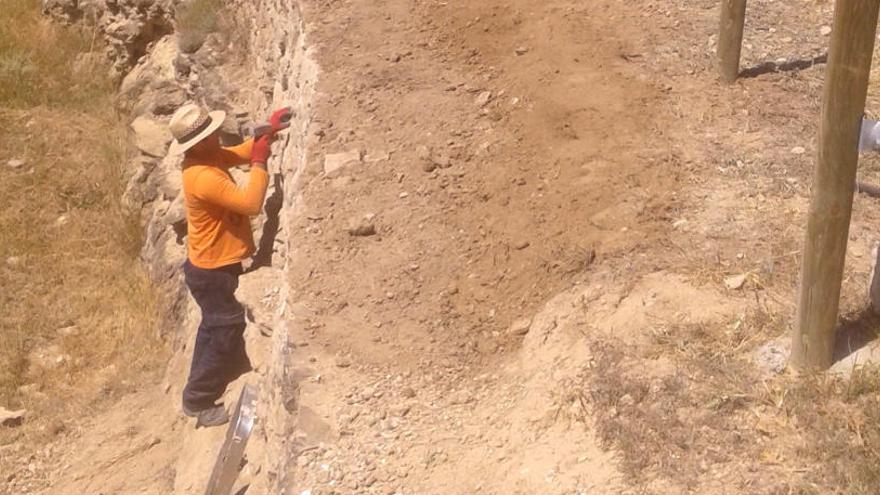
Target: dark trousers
<point>219,355</point>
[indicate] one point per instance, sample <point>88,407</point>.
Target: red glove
<point>280,120</point>
<point>261,149</point>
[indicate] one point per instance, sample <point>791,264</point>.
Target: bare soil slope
<point>560,192</point>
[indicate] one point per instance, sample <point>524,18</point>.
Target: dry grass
<point>711,422</point>
<point>833,425</point>
<point>41,64</point>
<point>72,288</point>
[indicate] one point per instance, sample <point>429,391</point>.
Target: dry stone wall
<point>260,62</point>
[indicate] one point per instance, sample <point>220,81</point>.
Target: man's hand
<point>280,119</point>
<point>261,150</point>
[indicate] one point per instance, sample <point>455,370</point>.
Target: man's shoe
<point>212,416</point>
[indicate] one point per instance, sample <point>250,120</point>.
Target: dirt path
<point>504,153</point>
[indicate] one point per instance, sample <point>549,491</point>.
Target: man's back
<point>217,210</point>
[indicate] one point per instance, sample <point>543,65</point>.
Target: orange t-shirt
<point>217,210</point>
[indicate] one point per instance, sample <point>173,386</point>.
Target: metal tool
<point>229,459</point>
<point>257,130</point>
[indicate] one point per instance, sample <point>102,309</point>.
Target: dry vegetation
<point>78,319</point>
<point>713,421</point>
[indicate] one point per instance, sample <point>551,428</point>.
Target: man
<point>219,238</point>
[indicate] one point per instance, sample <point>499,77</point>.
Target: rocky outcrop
<point>128,26</point>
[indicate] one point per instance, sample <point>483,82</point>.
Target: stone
<point>519,246</point>
<point>408,392</point>
<point>265,330</point>
<point>874,281</point>
<point>521,50</point>
<point>67,330</point>
<point>362,227</point>
<point>772,357</point>
<point>377,156</point>
<point>735,282</point>
<point>164,98</point>
<point>798,150</point>
<point>484,98</point>
<point>423,152</point>
<point>150,136</point>
<point>441,160</point>
<point>825,30</point>
<point>11,418</point>
<point>336,163</point>
<point>64,11</point>
<point>13,261</point>
<point>343,362</point>
<point>520,326</point>
<point>15,163</point>
<point>56,427</point>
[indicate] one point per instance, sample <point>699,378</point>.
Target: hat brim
<point>217,118</point>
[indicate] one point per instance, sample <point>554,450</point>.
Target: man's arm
<point>237,155</point>
<point>215,187</point>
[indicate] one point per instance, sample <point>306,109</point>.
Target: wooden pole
<point>834,178</point>
<point>730,37</point>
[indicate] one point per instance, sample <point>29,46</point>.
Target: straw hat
<point>190,124</point>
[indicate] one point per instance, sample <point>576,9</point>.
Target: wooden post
<point>730,37</point>
<point>834,177</point>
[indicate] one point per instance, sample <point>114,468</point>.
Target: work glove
<point>280,119</point>
<point>261,149</point>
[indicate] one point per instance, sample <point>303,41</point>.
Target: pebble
<point>362,228</point>
<point>484,98</point>
<point>520,326</point>
<point>825,30</point>
<point>423,152</point>
<point>336,163</point>
<point>67,330</point>
<point>521,50</point>
<point>798,150</point>
<point>15,163</point>
<point>735,282</point>
<point>11,418</point>
<point>441,161</point>
<point>408,392</point>
<point>379,156</point>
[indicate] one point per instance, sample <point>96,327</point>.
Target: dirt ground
<point>561,192</point>
<point>576,166</point>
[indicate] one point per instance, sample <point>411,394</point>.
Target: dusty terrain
<point>558,198</point>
